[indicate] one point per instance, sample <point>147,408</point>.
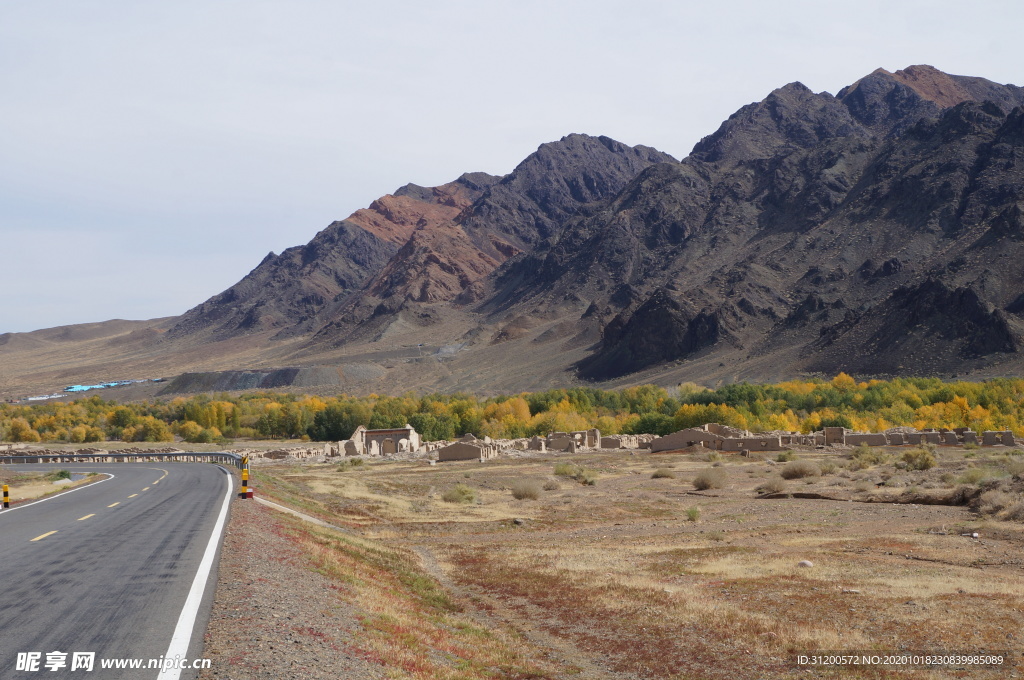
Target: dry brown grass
<point>773,485</point>
<point>711,478</point>
<point>525,489</point>
<point>799,469</point>
<point>411,625</point>
<point>618,577</point>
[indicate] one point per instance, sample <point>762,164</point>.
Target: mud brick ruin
<point>724,438</point>
<point>405,441</point>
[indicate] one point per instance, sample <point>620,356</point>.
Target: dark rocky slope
<point>878,231</point>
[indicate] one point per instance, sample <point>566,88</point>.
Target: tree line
<point>798,405</point>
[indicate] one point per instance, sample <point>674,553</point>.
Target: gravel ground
<point>259,629</point>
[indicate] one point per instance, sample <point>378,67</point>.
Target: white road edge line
<point>182,636</point>
<point>59,495</point>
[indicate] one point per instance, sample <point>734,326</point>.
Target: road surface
<point>108,568</point>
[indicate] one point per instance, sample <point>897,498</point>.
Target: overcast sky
<point>152,153</point>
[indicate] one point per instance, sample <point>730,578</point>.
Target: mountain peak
<point>790,117</point>
<point>892,101</point>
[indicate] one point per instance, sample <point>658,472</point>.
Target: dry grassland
<point>645,577</point>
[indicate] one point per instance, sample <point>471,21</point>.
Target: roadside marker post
<point>245,483</point>
<point>7,498</point>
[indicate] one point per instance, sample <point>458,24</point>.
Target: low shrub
<point>577,472</point>
<point>864,457</point>
<point>662,473</point>
<point>460,493</point>
<point>552,485</point>
<point>828,467</point>
<point>978,475</point>
<point>693,514</point>
<point>993,501</point>
<point>785,457</point>
<point>773,485</point>
<point>1015,512</point>
<point>350,463</point>
<point>566,469</point>
<point>800,468</point>
<point>711,478</point>
<point>919,459</point>
<point>1015,467</point>
<point>58,474</point>
<point>525,489</point>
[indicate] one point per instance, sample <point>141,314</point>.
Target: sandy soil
<point>27,486</point>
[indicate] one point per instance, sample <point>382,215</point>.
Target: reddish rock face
<point>395,218</point>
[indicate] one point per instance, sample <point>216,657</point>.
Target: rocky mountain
<point>879,231</point>
<point>286,292</point>
<point>807,220</point>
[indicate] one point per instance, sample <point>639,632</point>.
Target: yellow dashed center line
<point>113,504</point>
<point>48,533</point>
<point>133,495</point>
<point>86,517</point>
<point>146,489</point>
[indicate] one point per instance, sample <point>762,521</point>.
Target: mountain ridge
<point>808,234</point>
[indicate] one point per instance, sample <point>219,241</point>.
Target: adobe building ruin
<point>406,441</point>
<point>469,448</point>
<point>365,442</point>
<point>723,438</point>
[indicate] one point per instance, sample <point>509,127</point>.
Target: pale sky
<point>152,153</point>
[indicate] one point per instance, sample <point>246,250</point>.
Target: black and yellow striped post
<point>7,498</point>
<point>245,483</point>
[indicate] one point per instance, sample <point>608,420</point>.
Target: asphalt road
<point>107,568</point>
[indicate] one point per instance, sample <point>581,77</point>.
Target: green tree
<point>339,421</point>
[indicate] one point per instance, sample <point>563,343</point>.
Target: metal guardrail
<point>232,459</point>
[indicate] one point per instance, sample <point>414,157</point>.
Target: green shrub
<point>58,474</point>
<point>785,456</point>
<point>827,468</point>
<point>524,489</point>
<point>800,468</point>
<point>693,514</point>
<point>350,463</point>
<point>566,469</point>
<point>662,473</point>
<point>460,493</point>
<point>978,475</point>
<point>711,478</point>
<point>919,459</point>
<point>577,472</point>
<point>864,457</point>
